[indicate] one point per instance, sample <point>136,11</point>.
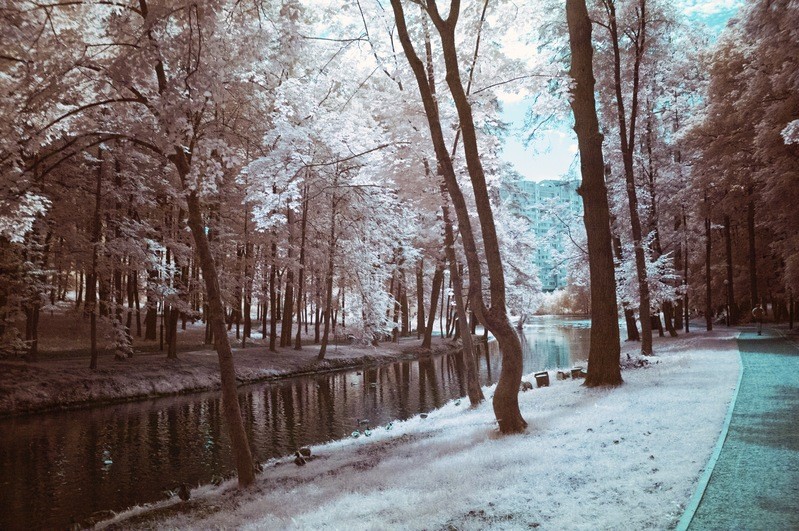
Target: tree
<point>604,350</point>
<point>637,33</point>
<point>505,401</point>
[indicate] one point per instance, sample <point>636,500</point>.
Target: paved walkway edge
<point>693,504</point>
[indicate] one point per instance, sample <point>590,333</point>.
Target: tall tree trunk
<point>151,316</point>
<point>288,304</point>
<point>750,225</point>
<point>605,346</point>
<point>331,242</point>
<point>136,302</point>
<point>685,300</point>
<point>668,317</point>
<point>273,301</point>
<point>420,320</point>
<point>404,306</point>
<point>505,401</point>
<point>242,456</point>
<point>396,295</point>
<point>708,284</point>
<point>732,308</point>
<point>248,281</point>
<point>91,285</point>
<point>301,279</point>
<point>474,390</point>
<point>172,315</point>
<point>627,148</point>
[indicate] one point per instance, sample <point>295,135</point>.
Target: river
<point>60,467</point>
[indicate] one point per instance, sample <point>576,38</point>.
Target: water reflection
<point>59,466</point>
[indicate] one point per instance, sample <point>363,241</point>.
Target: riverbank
<point>54,384</point>
<point>626,458</point>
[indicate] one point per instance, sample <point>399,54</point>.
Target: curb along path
<point>755,482</point>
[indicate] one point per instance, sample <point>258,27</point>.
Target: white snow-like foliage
<point>16,218</point>
<point>791,133</point>
<point>591,459</point>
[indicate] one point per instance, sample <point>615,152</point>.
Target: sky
<point>554,152</point>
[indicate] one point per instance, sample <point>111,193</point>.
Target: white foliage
<point>17,217</point>
<point>791,133</point>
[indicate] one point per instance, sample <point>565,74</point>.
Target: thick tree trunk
<point>632,325</point>
<point>242,456</point>
<point>668,317</point>
<point>605,347</point>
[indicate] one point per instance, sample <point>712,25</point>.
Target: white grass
<point>625,458</point>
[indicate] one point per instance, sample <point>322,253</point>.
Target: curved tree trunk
<point>506,400</point>
<point>473,388</point>
<point>242,455</point>
<point>605,346</point>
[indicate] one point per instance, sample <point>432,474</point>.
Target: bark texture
<point>505,401</point>
<point>242,456</point>
<point>605,347</point>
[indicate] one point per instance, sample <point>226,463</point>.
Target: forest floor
<point>622,458</point>
<point>61,378</point>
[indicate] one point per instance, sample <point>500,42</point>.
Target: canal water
<point>56,468</point>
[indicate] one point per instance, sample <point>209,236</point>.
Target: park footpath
<point>752,479</point>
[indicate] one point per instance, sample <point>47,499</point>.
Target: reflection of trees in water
<point>289,416</point>
<point>457,370</point>
<point>402,376</point>
<point>181,439</point>
<point>427,376</point>
<point>324,402</point>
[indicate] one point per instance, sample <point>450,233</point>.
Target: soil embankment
<point>55,384</point>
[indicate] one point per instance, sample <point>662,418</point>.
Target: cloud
<point>709,7</point>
